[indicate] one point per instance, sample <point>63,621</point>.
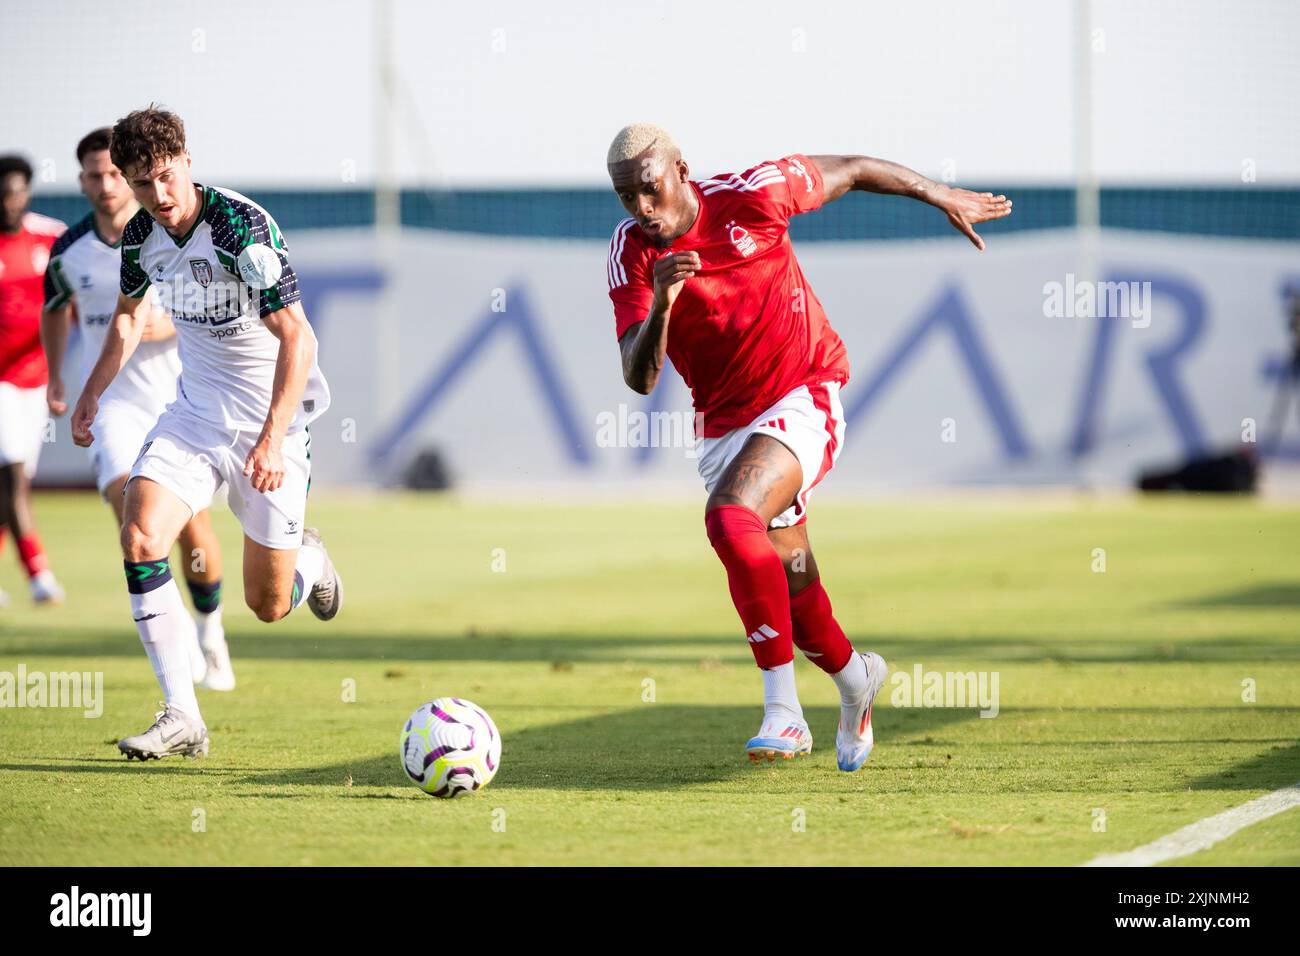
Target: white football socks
<point>852,679</point>
<point>167,632</point>
<point>852,682</point>
<point>209,627</point>
<point>308,569</point>
<point>780,699</point>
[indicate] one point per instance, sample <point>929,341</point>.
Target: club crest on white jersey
<point>227,353</point>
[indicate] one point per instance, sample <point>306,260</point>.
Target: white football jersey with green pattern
<point>227,353</point>
<point>85,270</point>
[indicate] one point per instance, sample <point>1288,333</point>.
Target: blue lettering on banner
<point>1162,363</point>
<point>948,313</point>
<point>318,286</point>
<point>518,318</point>
<point>951,314</point>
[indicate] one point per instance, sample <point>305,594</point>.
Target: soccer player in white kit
<point>249,386</point>
<point>81,285</point>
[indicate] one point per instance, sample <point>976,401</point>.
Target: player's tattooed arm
<point>644,345</point>
<point>264,465</point>
<point>964,208</point>
<point>124,334</point>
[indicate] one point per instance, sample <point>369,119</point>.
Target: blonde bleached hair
<point>635,139</point>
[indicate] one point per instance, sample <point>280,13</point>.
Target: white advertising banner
<point>1007,367</point>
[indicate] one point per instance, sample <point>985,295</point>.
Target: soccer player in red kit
<point>704,274</point>
<point>25,242</point>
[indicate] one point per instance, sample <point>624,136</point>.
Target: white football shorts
<point>809,421</point>
<point>193,459</point>
<point>120,429</point>
<point>23,417</point>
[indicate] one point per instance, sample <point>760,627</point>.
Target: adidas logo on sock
<point>764,633</point>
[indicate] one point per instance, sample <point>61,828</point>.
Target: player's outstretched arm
<point>264,465</point>
<point>964,208</point>
<point>645,344</point>
<point>124,333</point>
<point>55,323</point>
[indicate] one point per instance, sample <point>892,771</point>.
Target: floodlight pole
<point>1087,192</point>
<point>388,216</point>
<point>388,213</point>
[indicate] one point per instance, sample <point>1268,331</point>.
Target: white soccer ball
<point>450,746</point>
<point>259,266</point>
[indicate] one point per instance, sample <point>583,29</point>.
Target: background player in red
<point>25,241</point>
<point>704,273</point>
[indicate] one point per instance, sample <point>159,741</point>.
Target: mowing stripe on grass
<point>1204,833</point>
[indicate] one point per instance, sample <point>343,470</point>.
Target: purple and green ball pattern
<point>450,746</point>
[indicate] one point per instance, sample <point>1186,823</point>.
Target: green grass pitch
<point>1121,717</point>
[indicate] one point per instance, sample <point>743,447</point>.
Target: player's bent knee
<point>268,607</point>
<point>141,544</point>
<point>799,581</point>
<point>732,520</point>
<point>721,499</point>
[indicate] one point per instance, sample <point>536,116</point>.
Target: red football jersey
<point>747,328</point>
<point>23,257</point>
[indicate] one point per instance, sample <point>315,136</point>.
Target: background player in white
<point>81,285</point>
<point>249,386</point>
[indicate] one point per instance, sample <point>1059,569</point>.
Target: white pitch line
<point>1204,833</point>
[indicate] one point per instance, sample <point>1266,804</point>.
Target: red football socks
<point>32,555</point>
<point>816,631</point>
<point>757,581</point>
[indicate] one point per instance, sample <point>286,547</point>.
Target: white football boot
<point>173,733</point>
<point>326,596</point>
<point>45,589</point>
<point>780,734</point>
<point>219,674</point>
<point>854,738</point>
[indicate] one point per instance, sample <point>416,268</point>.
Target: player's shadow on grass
<point>653,747</point>
<point>1277,594</point>
<point>267,644</point>
<point>667,746</point>
<point>171,767</point>
<point>1278,767</point>
<point>279,643</point>
<point>659,746</point>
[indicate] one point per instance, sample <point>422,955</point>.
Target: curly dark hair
<point>145,137</point>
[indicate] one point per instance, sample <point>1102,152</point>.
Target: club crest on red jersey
<point>741,239</point>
